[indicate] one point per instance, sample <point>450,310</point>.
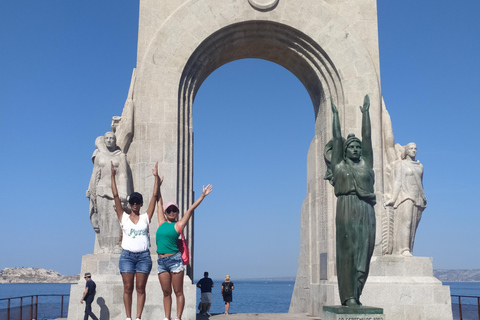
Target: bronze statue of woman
<point>353,178</point>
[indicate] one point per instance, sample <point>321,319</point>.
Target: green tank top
<point>167,238</point>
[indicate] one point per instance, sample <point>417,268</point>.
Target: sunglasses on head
<point>172,209</point>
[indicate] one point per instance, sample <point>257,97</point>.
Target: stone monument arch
<point>180,45</point>
<point>331,46</point>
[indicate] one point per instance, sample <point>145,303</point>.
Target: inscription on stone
<point>360,318</point>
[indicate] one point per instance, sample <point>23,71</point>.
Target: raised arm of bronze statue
<point>367,150</point>
<point>337,148</point>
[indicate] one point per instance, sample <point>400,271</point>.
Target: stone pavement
<point>259,316</point>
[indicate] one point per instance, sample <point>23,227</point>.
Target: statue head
<point>410,150</point>
<point>110,140</point>
<point>352,148</point>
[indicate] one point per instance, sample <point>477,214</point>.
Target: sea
<point>248,297</point>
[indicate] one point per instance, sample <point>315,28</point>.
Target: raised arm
<point>205,192</point>
<point>337,150</point>
<point>156,190</point>
<point>116,198</point>
<point>160,210</point>
<point>367,150</point>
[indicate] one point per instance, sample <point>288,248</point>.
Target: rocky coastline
<point>35,275</point>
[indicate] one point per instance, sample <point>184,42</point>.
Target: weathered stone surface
<point>102,213</point>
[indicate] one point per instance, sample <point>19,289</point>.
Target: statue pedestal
<point>358,313</point>
<point>108,303</point>
<point>404,287</point>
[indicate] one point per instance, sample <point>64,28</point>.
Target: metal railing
<point>466,311</point>
<point>27,307</point>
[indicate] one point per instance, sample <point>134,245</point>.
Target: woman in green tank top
<point>170,264</point>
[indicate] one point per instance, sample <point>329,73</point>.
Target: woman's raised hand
<point>155,170</point>
<point>334,108</point>
<point>366,104</point>
<point>207,190</point>
<point>155,173</point>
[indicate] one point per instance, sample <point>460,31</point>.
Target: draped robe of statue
<point>404,195</point>
<point>408,201</point>
<point>102,213</point>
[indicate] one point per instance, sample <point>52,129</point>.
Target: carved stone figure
<point>407,199</point>
<point>351,166</point>
<point>102,214</point>
<point>404,197</point>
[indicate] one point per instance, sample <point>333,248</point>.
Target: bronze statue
<point>351,166</point>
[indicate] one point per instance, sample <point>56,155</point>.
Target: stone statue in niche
<point>102,214</point>
<point>405,191</point>
<point>350,171</point>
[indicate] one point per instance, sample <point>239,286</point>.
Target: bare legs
<point>128,283</point>
<point>227,307</point>
<point>167,281</point>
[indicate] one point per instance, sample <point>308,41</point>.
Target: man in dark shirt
<point>88,295</point>
<point>205,285</point>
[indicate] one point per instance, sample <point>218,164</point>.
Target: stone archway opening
<point>252,139</point>
<point>265,40</point>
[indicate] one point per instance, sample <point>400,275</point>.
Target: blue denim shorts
<point>173,263</point>
<point>132,262</point>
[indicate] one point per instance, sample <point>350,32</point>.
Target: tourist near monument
<point>88,296</point>
<point>135,261</point>
<point>205,284</point>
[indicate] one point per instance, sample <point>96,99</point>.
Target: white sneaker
<point>208,314</point>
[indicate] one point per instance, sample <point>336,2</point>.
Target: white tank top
<point>136,237</point>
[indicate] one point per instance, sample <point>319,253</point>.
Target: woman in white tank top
<point>135,260</point>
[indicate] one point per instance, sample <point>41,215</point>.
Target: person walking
<point>135,262</point>
<point>205,284</point>
<point>88,296</point>
<point>227,288</point>
<point>170,263</point>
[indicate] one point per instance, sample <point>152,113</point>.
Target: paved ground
<point>258,316</point>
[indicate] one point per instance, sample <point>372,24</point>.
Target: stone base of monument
<point>404,287</point>
<point>356,313</point>
<point>108,303</point>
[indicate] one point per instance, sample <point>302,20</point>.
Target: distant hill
<point>459,275</point>
<point>34,275</point>
<point>39,275</point>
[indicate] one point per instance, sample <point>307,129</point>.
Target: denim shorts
<point>132,262</point>
<point>173,263</point>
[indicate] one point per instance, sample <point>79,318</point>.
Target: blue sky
<point>65,71</point>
